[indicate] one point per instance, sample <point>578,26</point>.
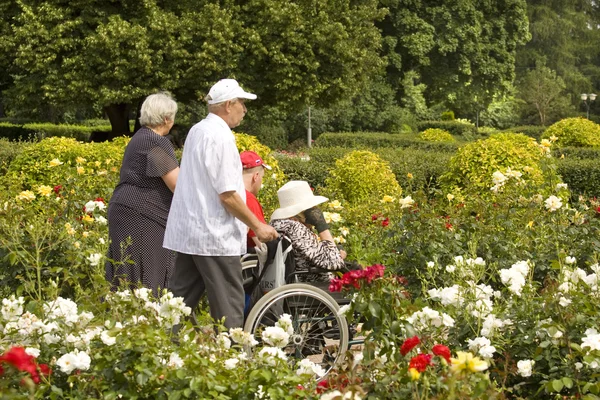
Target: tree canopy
<point>113,53</point>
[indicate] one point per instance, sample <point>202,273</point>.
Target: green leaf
<point>568,382</point>
<point>557,385</point>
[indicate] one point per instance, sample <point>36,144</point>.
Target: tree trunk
<point>137,124</point>
<point>118,115</point>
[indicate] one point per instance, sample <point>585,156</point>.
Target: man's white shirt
<point>198,222</point>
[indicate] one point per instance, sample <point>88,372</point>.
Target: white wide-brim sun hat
<point>295,197</point>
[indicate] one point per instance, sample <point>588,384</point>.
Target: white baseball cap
<point>227,89</point>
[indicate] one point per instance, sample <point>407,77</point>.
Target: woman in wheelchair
<point>295,217</point>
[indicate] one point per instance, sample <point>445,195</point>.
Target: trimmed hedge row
<point>456,128</point>
<point>579,153</point>
<point>42,130</point>
<point>534,131</point>
<point>375,140</point>
<point>582,176</point>
<point>424,166</point>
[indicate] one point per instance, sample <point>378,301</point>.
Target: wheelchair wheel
<point>320,334</point>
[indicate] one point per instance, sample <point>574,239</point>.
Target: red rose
<point>598,209</point>
<point>57,188</point>
<point>420,362</point>
<point>374,217</point>
<point>335,285</point>
<point>45,369</point>
<point>322,386</point>
<point>99,199</point>
<point>442,351</point>
<point>409,344</point>
<point>448,226</point>
<point>385,222</point>
<point>18,358</point>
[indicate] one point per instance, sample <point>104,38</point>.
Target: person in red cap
<point>254,171</point>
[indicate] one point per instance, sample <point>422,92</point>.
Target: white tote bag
<point>275,274</point>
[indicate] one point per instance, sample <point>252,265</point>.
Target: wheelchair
<point>319,332</point>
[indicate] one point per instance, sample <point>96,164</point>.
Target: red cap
<point>252,160</point>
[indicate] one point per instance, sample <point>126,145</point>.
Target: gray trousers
<point>220,276</point>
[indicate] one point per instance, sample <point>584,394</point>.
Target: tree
<point>564,37</point>
<point>543,90</point>
<point>460,48</point>
<point>115,53</point>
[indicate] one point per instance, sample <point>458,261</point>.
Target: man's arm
<point>234,204</point>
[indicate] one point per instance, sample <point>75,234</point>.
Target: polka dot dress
<point>137,215</point>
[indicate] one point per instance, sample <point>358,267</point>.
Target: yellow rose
<point>409,176</point>
<point>387,199</point>
<point>87,218</point>
<point>98,163</point>
<point>44,190</point>
<point>336,205</point>
<point>77,245</point>
<point>80,160</point>
<point>414,374</point>
<point>466,362</point>
<point>55,163</point>
<point>26,195</point>
<point>80,170</point>
<point>85,234</point>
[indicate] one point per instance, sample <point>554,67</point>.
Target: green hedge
<point>582,176</point>
<point>534,131</point>
<point>42,130</point>
<point>456,128</point>
<point>375,140</point>
<point>8,151</point>
<point>424,166</point>
<point>579,153</point>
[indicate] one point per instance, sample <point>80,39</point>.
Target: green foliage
<point>447,116</point>
<point>457,48</point>
<point>534,131</point>
<point>75,56</point>
<point>360,176</point>
<point>8,151</point>
<point>578,132</point>
<point>501,113</point>
<point>456,128</point>
<point>98,162</point>
<point>436,135</point>
<point>472,166</point>
<point>543,92</point>
<point>582,175</point>
<point>375,140</point>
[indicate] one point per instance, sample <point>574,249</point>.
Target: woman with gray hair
<point>138,209</point>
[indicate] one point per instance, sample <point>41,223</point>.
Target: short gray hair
<point>214,107</point>
<point>156,108</point>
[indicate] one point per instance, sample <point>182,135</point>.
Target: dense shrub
<point>456,128</point>
<point>42,130</point>
<point>582,176</point>
<point>534,131</point>
<point>52,161</point>
<point>436,135</point>
<point>414,168</point>
<point>374,140</point>
<point>447,116</point>
<point>8,151</point>
<point>581,153</point>
<point>578,132</point>
<point>473,165</point>
<point>360,176</point>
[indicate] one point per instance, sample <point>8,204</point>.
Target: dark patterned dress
<point>137,214</point>
<point>308,251</point>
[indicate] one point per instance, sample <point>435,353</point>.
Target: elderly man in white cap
<point>208,216</point>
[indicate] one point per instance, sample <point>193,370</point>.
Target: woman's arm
<point>322,254</point>
<point>170,179</point>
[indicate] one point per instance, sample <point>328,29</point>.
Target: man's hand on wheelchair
<point>266,233</point>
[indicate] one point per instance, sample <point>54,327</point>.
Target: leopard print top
<point>308,251</point>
